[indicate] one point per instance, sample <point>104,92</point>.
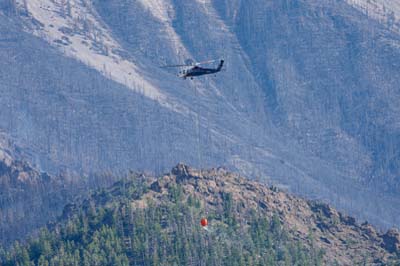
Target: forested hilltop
<point>145,220</point>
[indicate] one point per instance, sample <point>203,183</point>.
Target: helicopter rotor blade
<point>205,62</point>
<point>191,63</point>
<point>175,66</point>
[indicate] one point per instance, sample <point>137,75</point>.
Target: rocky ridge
<point>315,224</point>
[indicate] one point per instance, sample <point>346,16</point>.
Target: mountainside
<point>144,220</point>
<point>309,98</point>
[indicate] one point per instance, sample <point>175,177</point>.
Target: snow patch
<point>386,11</point>
<point>158,8</point>
<point>205,2</point>
<point>72,26</point>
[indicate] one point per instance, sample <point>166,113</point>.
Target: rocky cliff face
<point>309,98</point>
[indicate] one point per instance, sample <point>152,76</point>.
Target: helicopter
<point>192,69</point>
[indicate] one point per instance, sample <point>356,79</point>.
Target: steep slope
<point>309,97</point>
<point>144,220</point>
<point>75,30</point>
<point>317,68</point>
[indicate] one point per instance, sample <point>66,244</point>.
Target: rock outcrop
<point>315,224</point>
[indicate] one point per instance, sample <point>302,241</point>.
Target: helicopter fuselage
<point>199,71</point>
